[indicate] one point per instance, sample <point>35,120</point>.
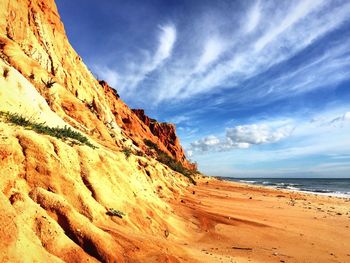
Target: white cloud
<point>341,119</point>
<point>328,121</point>
<point>301,137</point>
<point>293,16</point>
<point>179,119</point>
<point>257,134</point>
<point>312,149</point>
<point>227,51</point>
<point>167,40</point>
<point>346,116</point>
<point>107,74</point>
<point>253,17</point>
<point>278,39</point>
<point>138,70</point>
<point>244,136</point>
<point>205,144</point>
<point>189,153</point>
<point>213,48</point>
<point>173,83</point>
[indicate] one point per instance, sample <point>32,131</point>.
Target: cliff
<point>139,127</point>
<point>34,42</point>
<point>77,182</point>
<point>166,134</point>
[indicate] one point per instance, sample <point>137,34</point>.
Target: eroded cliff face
<point>34,42</point>
<point>139,127</point>
<point>166,134</point>
<point>54,191</point>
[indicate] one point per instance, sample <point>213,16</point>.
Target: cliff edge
<point>83,178</point>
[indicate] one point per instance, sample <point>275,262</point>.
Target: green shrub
<point>61,133</point>
<point>32,76</point>
<point>17,119</point>
<point>5,72</point>
<point>127,152</point>
<point>170,162</point>
<point>151,144</point>
<point>140,153</point>
<point>114,212</point>
<point>48,83</point>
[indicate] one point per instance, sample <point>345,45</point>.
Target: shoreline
<point>291,189</point>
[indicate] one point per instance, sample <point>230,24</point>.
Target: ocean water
<point>332,187</point>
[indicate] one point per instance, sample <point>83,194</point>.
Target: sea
<point>331,186</point>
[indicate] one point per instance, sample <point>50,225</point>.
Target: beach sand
<point>234,222</point>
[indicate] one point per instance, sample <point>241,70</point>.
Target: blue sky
<point>256,88</point>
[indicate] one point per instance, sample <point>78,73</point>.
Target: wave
<point>322,186</point>
<point>248,181</point>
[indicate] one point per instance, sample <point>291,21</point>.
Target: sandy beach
<point>92,168</point>
<point>233,222</point>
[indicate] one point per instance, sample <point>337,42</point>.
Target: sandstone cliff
<point>34,42</point>
<point>166,134</point>
<point>139,127</point>
<point>73,157</point>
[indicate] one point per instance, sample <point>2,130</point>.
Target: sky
<point>255,88</point>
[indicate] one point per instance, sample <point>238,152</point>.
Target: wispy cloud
<point>268,65</point>
<point>167,40</point>
<point>213,48</point>
<point>108,74</point>
<point>254,15</point>
<point>294,15</point>
<point>341,119</point>
<point>276,44</point>
<point>224,57</point>
<point>139,71</point>
<point>179,74</point>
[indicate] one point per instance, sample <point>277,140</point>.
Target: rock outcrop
<point>56,191</point>
<point>139,127</point>
<point>34,42</point>
<point>166,133</point>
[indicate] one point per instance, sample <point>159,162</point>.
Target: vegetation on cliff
<point>172,163</point>
<point>61,133</point>
<point>62,203</point>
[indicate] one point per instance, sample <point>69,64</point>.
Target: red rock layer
<point>166,133</point>
<point>138,127</point>
<point>44,52</point>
